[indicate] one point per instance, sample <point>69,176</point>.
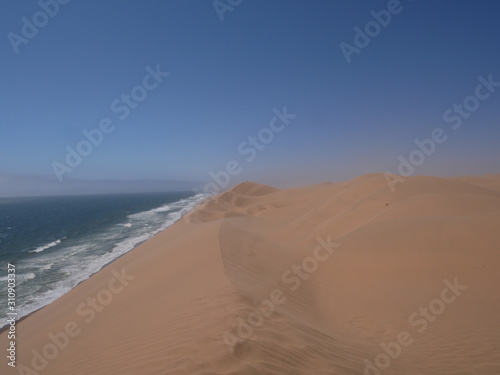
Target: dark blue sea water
<point>57,242</point>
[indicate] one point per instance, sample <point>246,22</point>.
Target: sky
<point>128,95</point>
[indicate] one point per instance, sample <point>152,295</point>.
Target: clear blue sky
<point>226,77</point>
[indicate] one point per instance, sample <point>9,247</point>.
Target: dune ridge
<point>310,280</point>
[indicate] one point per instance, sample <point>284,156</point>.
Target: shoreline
<point>5,327</point>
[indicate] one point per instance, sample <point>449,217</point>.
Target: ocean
<point>57,242</point>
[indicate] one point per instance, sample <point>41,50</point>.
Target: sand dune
<point>343,278</point>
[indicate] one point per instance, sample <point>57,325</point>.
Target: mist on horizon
<point>167,95</point>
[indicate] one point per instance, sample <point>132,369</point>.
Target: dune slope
<point>344,278</point>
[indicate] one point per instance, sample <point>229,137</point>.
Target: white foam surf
<point>47,246</point>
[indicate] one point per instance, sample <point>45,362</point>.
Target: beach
<point>334,278</point>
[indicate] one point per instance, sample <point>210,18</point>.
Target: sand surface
<point>343,278</point>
